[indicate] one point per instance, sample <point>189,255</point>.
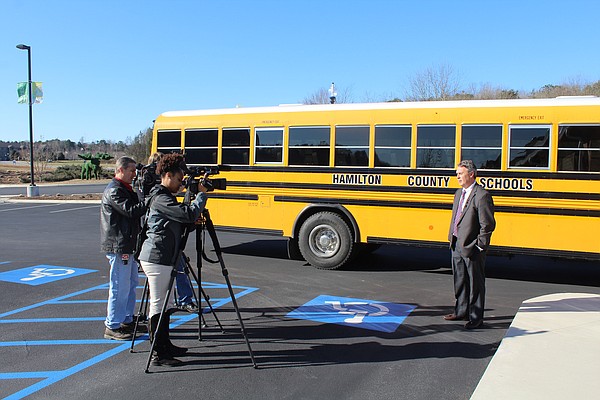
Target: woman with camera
<point>167,220</point>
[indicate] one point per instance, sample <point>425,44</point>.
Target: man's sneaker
<point>117,334</point>
<point>190,307</point>
<point>130,327</point>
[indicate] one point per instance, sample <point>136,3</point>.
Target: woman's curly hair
<point>170,163</point>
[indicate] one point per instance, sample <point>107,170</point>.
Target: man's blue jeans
<point>184,288</point>
<point>123,281</point>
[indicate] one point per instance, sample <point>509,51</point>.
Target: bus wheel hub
<point>324,241</point>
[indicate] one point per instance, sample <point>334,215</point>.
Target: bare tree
<point>41,156</point>
<point>369,97</point>
<point>139,147</point>
<point>572,87</point>
<point>489,92</point>
<point>434,83</point>
<point>593,89</point>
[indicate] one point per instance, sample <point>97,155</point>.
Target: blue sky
<point>110,67</point>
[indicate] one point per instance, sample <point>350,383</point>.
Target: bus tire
<point>326,241</point>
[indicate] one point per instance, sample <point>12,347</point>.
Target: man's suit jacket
<point>476,224</point>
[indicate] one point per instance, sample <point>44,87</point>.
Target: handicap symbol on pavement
<point>47,272</point>
<point>359,313</point>
<point>41,274</point>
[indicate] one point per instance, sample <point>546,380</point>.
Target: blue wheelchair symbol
<point>41,274</point>
<point>359,313</point>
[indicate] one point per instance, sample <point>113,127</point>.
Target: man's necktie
<point>459,211</point>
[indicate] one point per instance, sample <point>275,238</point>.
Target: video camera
<point>199,175</point>
<point>147,176</point>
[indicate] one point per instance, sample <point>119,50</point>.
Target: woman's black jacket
<point>166,221</point>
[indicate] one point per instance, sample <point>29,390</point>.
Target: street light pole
<point>32,190</point>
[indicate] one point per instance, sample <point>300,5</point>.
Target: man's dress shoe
<point>474,325</point>
<point>453,317</point>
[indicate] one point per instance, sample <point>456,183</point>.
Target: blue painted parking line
<point>359,313</point>
<point>52,376</point>
<point>54,342</point>
<point>41,320</point>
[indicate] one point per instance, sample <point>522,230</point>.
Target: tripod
<point>144,302</point>
<point>203,223</point>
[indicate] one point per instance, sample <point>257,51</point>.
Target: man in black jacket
<point>120,213</point>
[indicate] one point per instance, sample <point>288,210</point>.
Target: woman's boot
<point>161,354</point>
<point>175,351</point>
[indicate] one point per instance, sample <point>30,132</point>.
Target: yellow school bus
<point>336,179</point>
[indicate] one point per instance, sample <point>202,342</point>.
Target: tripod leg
<point>237,311</point>
<point>207,299</point>
<point>161,318</point>
<point>212,310</point>
<point>213,235</point>
<point>187,268</point>
<point>141,314</point>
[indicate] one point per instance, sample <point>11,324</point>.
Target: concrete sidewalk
<point>550,351</point>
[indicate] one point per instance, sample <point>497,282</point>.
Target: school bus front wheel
<point>326,241</point>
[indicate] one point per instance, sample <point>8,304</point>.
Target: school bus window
<point>529,147</point>
<point>352,146</point>
<point>483,145</point>
<point>309,145</point>
<point>435,146</point>
<point>236,146</point>
<point>168,141</point>
<point>269,145</point>
<point>392,146</point>
<point>579,148</point>
<point>201,146</point>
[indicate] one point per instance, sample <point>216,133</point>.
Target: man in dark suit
<point>470,231</point>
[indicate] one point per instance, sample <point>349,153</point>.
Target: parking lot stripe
<point>73,209</point>
<point>28,207</point>
<point>52,376</point>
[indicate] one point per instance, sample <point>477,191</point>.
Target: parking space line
<point>52,376</point>
<point>41,320</point>
<point>73,209</point>
<point>29,207</point>
<point>26,375</point>
<point>55,342</point>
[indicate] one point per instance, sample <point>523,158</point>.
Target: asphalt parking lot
<point>373,331</point>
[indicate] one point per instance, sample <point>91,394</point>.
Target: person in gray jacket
<point>120,213</point>
<point>469,235</point>
<point>167,219</point>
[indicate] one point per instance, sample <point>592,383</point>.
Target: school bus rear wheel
<point>325,240</point>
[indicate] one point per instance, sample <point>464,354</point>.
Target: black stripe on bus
<point>493,250</point>
<point>586,176</point>
<point>411,190</point>
<point>233,196</point>
<point>270,232</point>
<point>437,206</point>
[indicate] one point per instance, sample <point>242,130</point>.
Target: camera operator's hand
<point>201,186</point>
